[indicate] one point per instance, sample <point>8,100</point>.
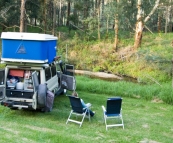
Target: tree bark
<point>22,16</point>
<point>44,14</point>
<point>54,18</point>
<point>116,28</point>
<point>98,19</point>
<point>68,13</point>
<point>159,23</point>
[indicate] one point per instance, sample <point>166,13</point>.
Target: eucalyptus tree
<point>140,23</point>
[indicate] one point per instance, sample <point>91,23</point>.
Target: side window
<point>53,70</point>
<point>47,73</point>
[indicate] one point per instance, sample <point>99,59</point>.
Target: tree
<point>141,23</point>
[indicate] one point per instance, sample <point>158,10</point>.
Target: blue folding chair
<point>77,110</point>
<point>113,110</point>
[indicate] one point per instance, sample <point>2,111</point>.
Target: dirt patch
<point>40,129</point>
<point>145,126</point>
<point>157,100</point>
<point>10,130</point>
<point>148,141</point>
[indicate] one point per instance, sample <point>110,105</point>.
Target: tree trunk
<point>60,13</point>
<point>54,18</point>
<point>44,14</point>
<point>116,32</point>
<point>168,16</point>
<point>138,34</point>
<point>159,23</point>
<point>22,16</point>
<point>166,22</point>
<point>116,28</point>
<point>98,19</point>
<point>68,13</point>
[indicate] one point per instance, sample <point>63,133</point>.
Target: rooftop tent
<point>28,47</point>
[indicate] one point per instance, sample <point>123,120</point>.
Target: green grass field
<point>146,121</point>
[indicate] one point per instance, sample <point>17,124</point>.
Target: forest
<point>127,38</point>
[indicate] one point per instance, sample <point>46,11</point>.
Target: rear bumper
<point>16,104</point>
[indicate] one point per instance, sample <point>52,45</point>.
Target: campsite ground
<point>145,122</point>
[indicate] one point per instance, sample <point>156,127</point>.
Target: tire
<point>41,98</point>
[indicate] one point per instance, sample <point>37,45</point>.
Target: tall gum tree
<point>140,24</point>
<point>22,15</point>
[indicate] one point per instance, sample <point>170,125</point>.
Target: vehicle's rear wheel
<point>41,98</point>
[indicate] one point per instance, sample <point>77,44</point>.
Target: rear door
<point>35,87</point>
<point>2,84</point>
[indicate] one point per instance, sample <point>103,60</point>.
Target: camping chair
<point>77,110</point>
<point>113,110</point>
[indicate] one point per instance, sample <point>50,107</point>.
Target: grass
<point>151,60</point>
<point>145,120</point>
<point>162,92</point>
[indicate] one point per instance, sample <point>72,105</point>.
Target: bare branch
<point>153,10</point>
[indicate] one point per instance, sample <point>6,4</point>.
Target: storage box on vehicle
<point>11,83</point>
<point>28,47</point>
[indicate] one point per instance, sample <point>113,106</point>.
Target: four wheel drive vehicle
<point>27,66</point>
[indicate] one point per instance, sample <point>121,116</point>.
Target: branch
<point>148,29</point>
<point>7,26</point>
<point>38,27</point>
<point>2,12</point>
<point>153,10</point>
<point>153,79</point>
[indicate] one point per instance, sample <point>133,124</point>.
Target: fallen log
<point>98,74</point>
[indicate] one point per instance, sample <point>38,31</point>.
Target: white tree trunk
<point>140,23</point>
<point>168,15</point>
<point>22,15</point>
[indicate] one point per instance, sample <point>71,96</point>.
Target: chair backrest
<point>76,104</point>
<point>113,105</point>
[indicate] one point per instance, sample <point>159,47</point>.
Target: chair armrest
<point>104,110</point>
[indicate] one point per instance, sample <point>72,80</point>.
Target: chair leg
<point>83,119</point>
<point>69,116</point>
<point>105,122</point>
<point>88,115</point>
<point>122,121</point>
